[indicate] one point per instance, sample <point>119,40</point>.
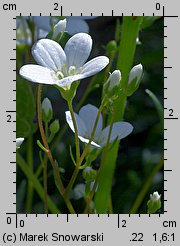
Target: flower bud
<point>154,203</point>
<point>59,28</point>
<point>19,141</point>
<point>111,48</point>
<point>47,111</point>
<point>89,174</point>
<point>135,76</point>
<point>113,80</point>
<point>54,127</point>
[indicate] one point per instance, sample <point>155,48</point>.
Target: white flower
<point>155,196</point>
<point>85,122</point>
<point>19,141</point>
<point>62,67</point>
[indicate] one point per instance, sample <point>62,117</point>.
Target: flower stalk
<point>80,160</point>
<point>56,172</point>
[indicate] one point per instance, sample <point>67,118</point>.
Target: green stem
<point>75,130</point>
<point>101,167</point>
<point>145,188</point>
<point>79,162</point>
<point>45,175</point>
<point>36,184</point>
<point>81,102</point>
<point>30,191</point>
<point>45,187</point>
<point>110,207</point>
<point>56,172</point>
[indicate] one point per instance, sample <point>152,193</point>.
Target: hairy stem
<point>43,136</point>
<point>45,176</point>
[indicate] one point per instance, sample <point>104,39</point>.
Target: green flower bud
<point>89,174</point>
<point>111,48</point>
<point>113,80</point>
<point>54,127</point>
<point>154,203</point>
<point>19,141</point>
<point>47,111</point>
<point>134,80</point>
<point>59,29</point>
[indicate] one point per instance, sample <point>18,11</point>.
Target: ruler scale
<point>94,229</point>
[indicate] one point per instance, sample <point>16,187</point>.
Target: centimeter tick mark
<point>118,220</point>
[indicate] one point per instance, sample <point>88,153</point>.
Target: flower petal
<point>94,66</point>
<point>119,130</point>
<point>36,73</point>
<point>76,25</point>
<point>82,131</point>
<point>66,82</point>
<point>85,140</point>
<point>88,114</point>
<point>78,49</point>
<point>49,53</point>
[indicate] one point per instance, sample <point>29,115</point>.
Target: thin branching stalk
<point>80,160</point>
<point>44,139</point>
<point>75,130</point>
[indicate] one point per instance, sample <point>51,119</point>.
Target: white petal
<point>85,140</point>
<point>49,53</point>
<point>82,131</point>
<point>76,25</point>
<point>36,73</point>
<point>67,81</point>
<point>88,114</point>
<point>77,49</point>
<point>119,130</point>
<point>94,66</point>
<point>19,141</point>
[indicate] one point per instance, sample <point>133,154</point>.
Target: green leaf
<point>21,192</point>
<point>26,109</point>
<point>130,31</point>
